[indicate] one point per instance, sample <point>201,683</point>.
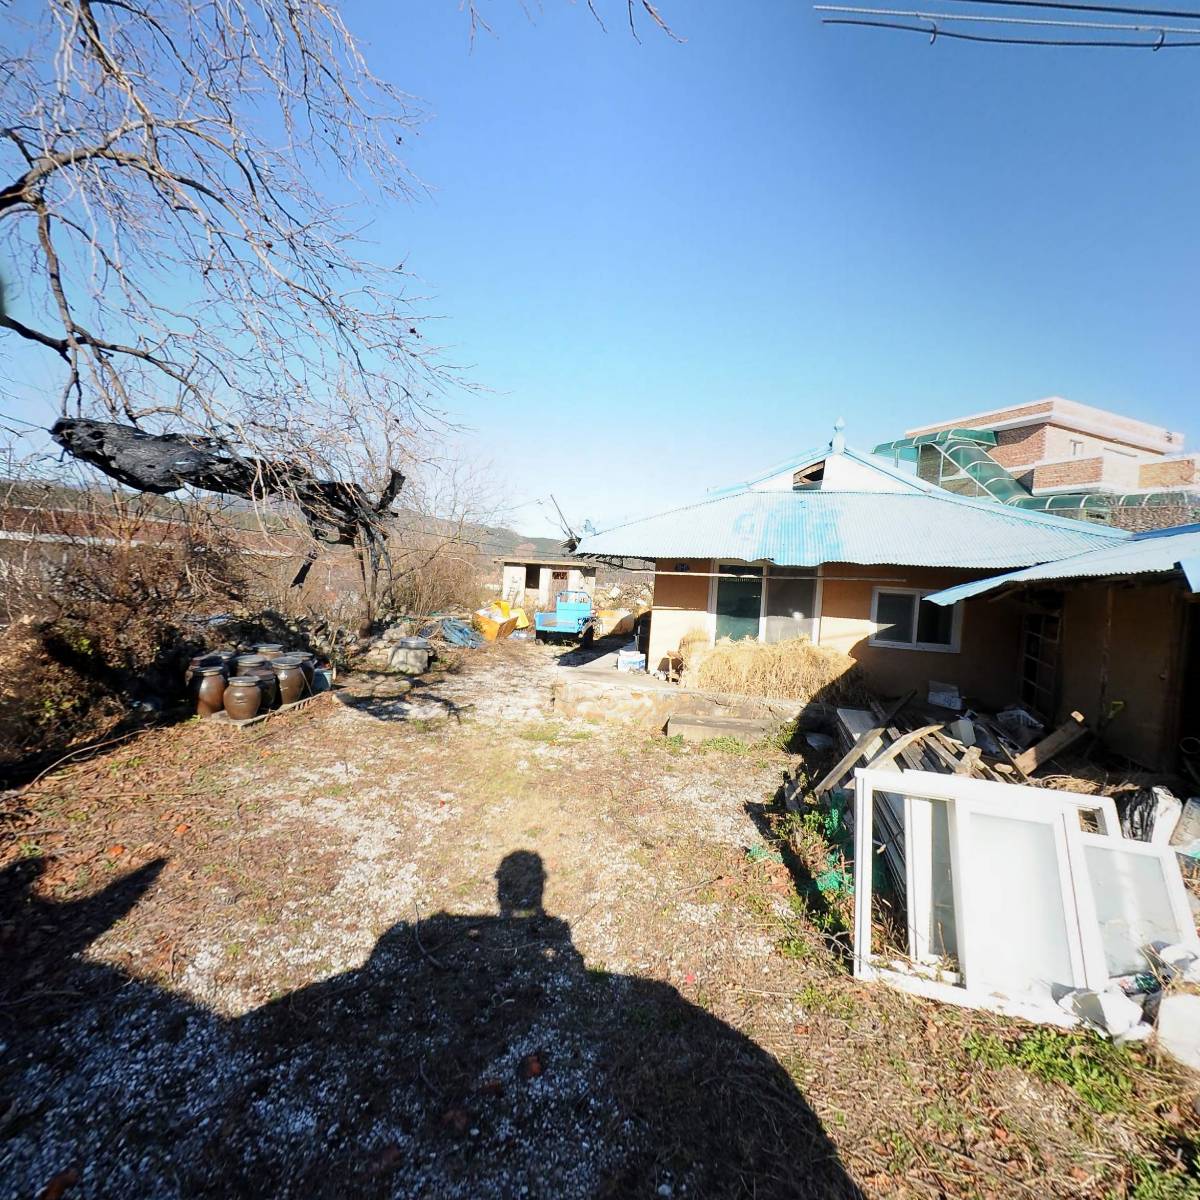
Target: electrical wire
<point>934,32</point>
<point>1069,6</point>
<point>978,17</point>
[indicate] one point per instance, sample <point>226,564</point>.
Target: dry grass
<point>794,670</point>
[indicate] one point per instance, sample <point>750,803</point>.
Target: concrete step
<point>701,729</point>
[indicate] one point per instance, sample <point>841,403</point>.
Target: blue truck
<point>573,617</point>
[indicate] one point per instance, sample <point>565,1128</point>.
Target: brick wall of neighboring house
<point>1019,447</point>
<point>1170,472</point>
<point>1074,472</point>
<point>1166,516</point>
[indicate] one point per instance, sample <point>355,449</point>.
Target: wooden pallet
<point>223,718</point>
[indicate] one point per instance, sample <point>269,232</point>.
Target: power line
<point>1067,5</point>
<point>977,17</point>
<point>933,31</point>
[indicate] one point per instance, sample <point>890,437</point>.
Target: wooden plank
<point>902,743</point>
<point>860,747</point>
<point>968,764</point>
<point>910,754</point>
<point>1070,731</point>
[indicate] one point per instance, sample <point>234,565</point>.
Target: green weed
<point>1096,1070</point>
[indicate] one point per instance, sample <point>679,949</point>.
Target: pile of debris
<point>1035,900</point>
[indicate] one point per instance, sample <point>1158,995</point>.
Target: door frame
<point>714,582</point>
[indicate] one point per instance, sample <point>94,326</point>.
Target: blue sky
<point>675,263</point>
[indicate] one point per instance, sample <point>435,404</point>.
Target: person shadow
<point>472,1055</point>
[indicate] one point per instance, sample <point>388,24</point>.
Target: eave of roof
<point>1157,552</point>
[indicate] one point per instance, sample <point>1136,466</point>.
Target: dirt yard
<point>445,944</point>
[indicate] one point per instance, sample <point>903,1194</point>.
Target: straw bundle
<point>793,670</point>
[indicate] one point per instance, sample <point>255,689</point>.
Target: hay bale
<point>792,670</point>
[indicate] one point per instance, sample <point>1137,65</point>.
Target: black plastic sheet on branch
<point>336,512</point>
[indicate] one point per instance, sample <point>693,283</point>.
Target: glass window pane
<point>894,616</point>
<point>738,603</point>
<point>1132,905</point>
<point>935,624</point>
<point>791,601</point>
<point>1018,938</point>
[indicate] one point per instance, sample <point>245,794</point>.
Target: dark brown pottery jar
<point>270,687</point>
<point>269,649</point>
<point>227,658</point>
<point>246,664</point>
<point>201,660</point>
<point>208,689</point>
<point>243,696</point>
<point>290,678</point>
<point>308,664</point>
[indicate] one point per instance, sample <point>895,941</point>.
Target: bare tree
<point>216,318</point>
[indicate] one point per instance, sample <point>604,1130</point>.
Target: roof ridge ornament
<point>838,442</point>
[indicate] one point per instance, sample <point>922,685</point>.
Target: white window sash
<point>918,594</point>
<point>967,795</point>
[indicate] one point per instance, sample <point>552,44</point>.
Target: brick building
<point>1122,470</point>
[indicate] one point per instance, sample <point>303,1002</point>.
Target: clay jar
<point>208,689</point>
<point>290,677</point>
<point>246,664</point>
<point>270,686</point>
<point>269,649</point>
<point>308,664</point>
<point>201,660</point>
<point>243,695</point>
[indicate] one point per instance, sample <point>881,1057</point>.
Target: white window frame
<point>965,795</point>
<point>919,593</point>
<point>718,568</point>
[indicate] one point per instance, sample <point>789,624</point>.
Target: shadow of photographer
<point>471,1055</point>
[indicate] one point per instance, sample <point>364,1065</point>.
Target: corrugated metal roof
<point>1143,554</point>
<point>806,528</point>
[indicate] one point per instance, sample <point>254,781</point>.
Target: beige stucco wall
<point>985,667</point>
<point>680,605</point>
<point>1142,664</point>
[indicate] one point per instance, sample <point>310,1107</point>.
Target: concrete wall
<point>512,583</point>
<point>680,605</point>
<point>1142,664</point>
<point>985,667</point>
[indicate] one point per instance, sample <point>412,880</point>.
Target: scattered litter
<point>1110,1010</point>
<point>820,741</point>
<point>1178,1028</point>
<point>630,658</point>
<point>452,631</point>
<point>1020,725</point>
<point>944,695</point>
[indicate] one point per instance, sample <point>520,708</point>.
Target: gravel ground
<point>445,944</point>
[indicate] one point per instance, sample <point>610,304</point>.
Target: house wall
<point>512,583</point>
<point>985,666</point>
<point>1170,472</point>
<point>680,605</point>
<point>1142,664</point>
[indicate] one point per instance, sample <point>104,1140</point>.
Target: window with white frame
<point>905,619</point>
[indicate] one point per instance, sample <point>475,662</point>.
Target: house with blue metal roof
<point>845,547</point>
<point>1113,632</point>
